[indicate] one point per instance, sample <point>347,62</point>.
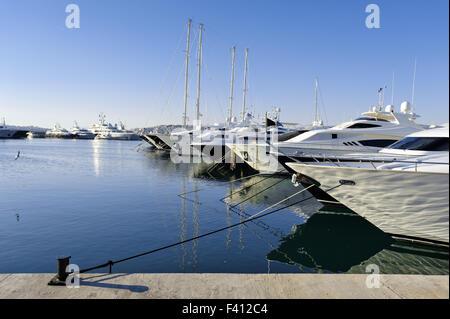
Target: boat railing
<point>335,161</point>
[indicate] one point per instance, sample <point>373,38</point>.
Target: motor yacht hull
<point>398,202</point>
<point>59,135</point>
<point>7,133</point>
<point>84,136</point>
<point>118,136</point>
<point>258,157</point>
<point>159,141</point>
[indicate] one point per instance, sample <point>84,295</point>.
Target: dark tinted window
<point>363,125</point>
<point>288,136</point>
<point>377,143</point>
<point>370,119</point>
<point>422,144</point>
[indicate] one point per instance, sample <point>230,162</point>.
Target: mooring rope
<point>278,203</point>
<point>258,215</point>
<point>220,184</point>
<point>263,190</point>
<point>245,187</point>
<point>242,213</point>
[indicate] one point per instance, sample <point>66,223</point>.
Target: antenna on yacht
<point>233,50</point>
<point>199,70</point>
<point>381,98</point>
<point>101,118</point>
<point>186,74</point>
<point>413,85</point>
<point>245,84</point>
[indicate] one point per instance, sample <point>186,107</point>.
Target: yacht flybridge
<point>403,189</point>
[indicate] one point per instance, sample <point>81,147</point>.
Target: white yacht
<point>160,141</point>
<point>216,143</point>
<point>59,132</point>
<point>81,133</point>
<point>371,132</point>
<point>36,134</point>
<point>256,150</point>
<point>107,131</point>
<point>11,131</point>
<point>403,189</point>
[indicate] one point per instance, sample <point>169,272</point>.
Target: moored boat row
<point>101,130</point>
<point>383,165</point>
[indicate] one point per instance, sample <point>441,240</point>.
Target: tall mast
<point>233,50</point>
<point>245,85</point>
<point>187,71</point>
<point>392,94</point>
<point>199,70</point>
<point>414,83</point>
<point>316,109</point>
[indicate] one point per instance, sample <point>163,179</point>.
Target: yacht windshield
<point>422,144</point>
<point>366,118</point>
<point>363,125</point>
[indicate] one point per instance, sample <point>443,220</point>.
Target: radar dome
<point>389,108</point>
<point>405,107</point>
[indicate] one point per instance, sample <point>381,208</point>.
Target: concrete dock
<point>226,286</point>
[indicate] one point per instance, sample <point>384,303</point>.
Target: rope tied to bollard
<point>258,215</point>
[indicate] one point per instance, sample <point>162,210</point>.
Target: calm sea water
<point>102,200</point>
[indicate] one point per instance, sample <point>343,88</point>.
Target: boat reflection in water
<point>337,240</point>
<point>330,239</point>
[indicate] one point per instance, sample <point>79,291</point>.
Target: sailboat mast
<point>316,109</point>
<point>392,93</point>
<point>199,71</point>
<point>187,71</point>
<point>414,83</point>
<point>245,85</point>
<point>230,115</point>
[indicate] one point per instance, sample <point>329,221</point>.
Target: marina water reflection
<point>112,199</point>
<point>337,240</point>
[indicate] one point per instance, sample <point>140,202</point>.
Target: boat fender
<point>294,180</point>
<point>346,182</point>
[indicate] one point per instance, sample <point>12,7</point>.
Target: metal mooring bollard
<point>61,276</point>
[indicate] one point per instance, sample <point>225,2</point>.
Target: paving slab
<point>227,286</point>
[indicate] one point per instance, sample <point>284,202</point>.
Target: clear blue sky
<point>127,59</point>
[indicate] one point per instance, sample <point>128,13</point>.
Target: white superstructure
<point>59,132</point>
<point>8,131</point>
<point>370,132</point>
<point>81,133</point>
<point>107,131</point>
